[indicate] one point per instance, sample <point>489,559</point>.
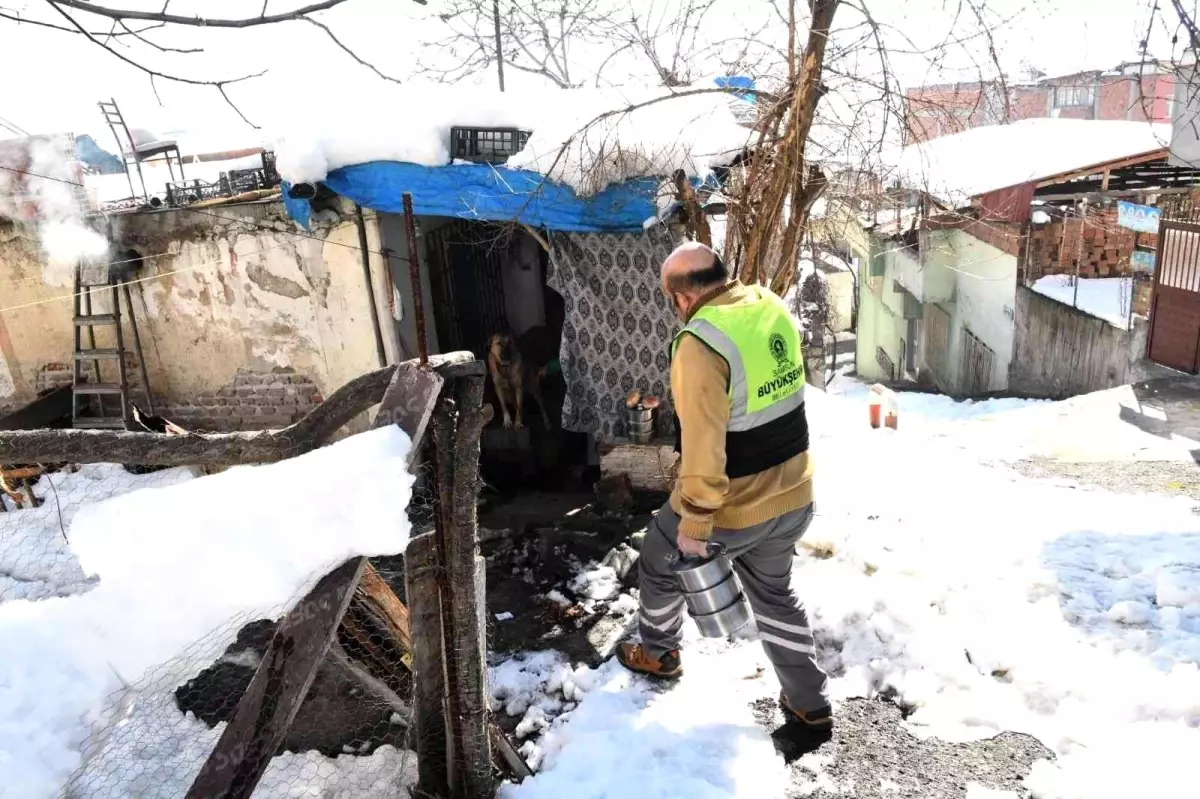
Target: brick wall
<point>1054,248</point>
<point>53,375</point>
<point>253,401</point>
<point>934,111</point>
<point>1113,96</point>
<point>1004,236</point>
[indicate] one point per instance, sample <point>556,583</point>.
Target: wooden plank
<point>256,731</point>
<point>421,565</point>
<point>378,598</point>
<point>23,473</point>
<point>409,402</point>
<point>1050,180</point>
<point>466,671</point>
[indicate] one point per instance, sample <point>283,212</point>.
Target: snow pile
<point>175,566</point>
<point>585,138</point>
<point>991,602</point>
<point>596,584</point>
<point>35,560</point>
<point>621,737</point>
<point>1106,298</point>
<point>963,165</point>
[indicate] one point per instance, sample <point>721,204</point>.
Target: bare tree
<point>88,19</point>
<point>545,37</point>
<point>537,37</point>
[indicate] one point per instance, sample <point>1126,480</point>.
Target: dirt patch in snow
<point>1176,478</point>
<point>871,754</point>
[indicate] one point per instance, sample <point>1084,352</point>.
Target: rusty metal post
<point>414,271</point>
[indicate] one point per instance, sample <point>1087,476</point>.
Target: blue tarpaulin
<point>491,193</point>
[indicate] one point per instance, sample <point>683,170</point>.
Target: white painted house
<point>941,252</point>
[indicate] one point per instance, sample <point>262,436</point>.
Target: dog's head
<point>502,347</point>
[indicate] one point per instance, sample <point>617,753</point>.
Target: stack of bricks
<point>53,375</point>
<point>253,401</point>
<point>1100,246</point>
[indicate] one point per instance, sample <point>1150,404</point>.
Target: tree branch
<point>5,14</point>
<point>220,84</point>
<point>161,48</point>
<point>348,51</point>
<point>197,22</point>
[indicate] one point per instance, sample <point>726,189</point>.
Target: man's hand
<point>690,547</point>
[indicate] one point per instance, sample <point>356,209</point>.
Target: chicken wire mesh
<point>353,734</point>
<point>350,736</point>
<point>38,507</point>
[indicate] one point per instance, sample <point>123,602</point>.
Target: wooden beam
<point>1104,180</point>
<point>422,563</point>
<point>379,599</point>
<point>1094,169</point>
<point>222,449</point>
<point>265,712</point>
<point>465,639</point>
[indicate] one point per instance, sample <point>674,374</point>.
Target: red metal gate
<point>1175,310</point>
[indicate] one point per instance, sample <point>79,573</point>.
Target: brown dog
<point>512,377</point>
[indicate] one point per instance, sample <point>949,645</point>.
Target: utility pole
<point>499,49</point>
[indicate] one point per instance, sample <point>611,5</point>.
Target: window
<point>1066,96</point>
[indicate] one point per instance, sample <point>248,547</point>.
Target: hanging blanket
<point>618,328</point>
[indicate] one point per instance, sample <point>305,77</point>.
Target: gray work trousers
<point>762,557</point>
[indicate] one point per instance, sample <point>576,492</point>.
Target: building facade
<point>1142,92</point>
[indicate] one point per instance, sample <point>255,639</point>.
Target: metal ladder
<point>90,408</point>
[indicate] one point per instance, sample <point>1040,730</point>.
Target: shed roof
<point>964,165</point>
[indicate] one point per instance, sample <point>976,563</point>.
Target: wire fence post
<point>468,646</point>
<point>445,590</point>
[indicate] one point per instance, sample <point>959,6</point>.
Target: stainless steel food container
<point>713,595</point>
<point>639,423</point>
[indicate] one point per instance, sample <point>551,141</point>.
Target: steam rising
<point>38,189</point>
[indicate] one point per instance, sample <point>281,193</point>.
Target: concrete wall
<point>841,299</point>
<point>970,280</point>
<point>395,239</point>
<point>985,284</point>
<point>1060,352</point>
<point>234,290</point>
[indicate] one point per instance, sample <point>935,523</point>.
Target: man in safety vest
<point>745,480</point>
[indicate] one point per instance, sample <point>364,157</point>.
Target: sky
<point>55,79</point>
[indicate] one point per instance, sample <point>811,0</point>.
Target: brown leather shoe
<point>635,658</point>
<point>822,717</point>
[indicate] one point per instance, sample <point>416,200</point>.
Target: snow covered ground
<point>179,569</point>
<point>984,600</point>
<point>1107,298</point>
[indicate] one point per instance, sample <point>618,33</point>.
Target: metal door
<point>1175,308</point>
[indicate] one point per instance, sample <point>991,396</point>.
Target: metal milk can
<point>713,593</point>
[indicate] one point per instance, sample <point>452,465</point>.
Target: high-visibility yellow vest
<point>760,342</point>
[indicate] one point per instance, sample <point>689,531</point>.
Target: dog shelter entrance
<point>487,279</point>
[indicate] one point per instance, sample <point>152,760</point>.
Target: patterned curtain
<point>618,327</point>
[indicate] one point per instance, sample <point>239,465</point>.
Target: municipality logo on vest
<point>778,348</point>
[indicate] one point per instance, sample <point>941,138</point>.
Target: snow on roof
<point>958,167</point>
<point>412,123</point>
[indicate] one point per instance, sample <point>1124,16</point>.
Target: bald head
<point>693,268</point>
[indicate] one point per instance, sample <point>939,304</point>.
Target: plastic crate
<point>486,145</point>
